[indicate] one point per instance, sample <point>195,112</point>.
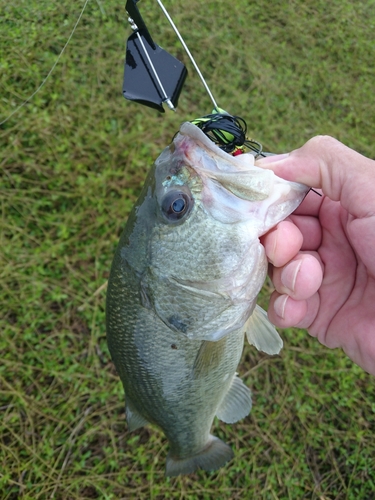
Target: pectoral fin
<point>236,403</point>
<point>262,334</point>
<point>209,357</point>
<point>133,417</point>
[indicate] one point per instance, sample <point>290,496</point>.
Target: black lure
<point>228,132</point>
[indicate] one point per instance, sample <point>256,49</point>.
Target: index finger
<point>323,162</point>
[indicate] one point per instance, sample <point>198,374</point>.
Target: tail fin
<point>212,457</point>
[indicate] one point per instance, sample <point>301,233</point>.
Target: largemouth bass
<point>182,293</point>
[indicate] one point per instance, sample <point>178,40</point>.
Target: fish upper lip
<point>195,133</point>
<point>191,138</point>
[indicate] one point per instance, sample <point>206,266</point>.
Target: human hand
<point>322,258</point>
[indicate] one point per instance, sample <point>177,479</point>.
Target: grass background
<point>73,161</point>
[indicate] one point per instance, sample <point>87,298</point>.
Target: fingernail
<point>271,159</point>
<point>279,305</point>
<point>289,275</point>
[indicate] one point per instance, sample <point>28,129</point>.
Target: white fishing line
<point>188,53</point>
<point>52,69</point>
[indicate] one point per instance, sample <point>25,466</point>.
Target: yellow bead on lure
<point>182,293</point>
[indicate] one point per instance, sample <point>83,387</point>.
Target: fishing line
<point>52,69</point>
<point>225,130</point>
<point>188,53</point>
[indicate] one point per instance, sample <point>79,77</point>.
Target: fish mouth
<point>198,138</point>
<point>196,150</point>
<point>234,188</point>
<point>220,170</point>
<point>196,134</point>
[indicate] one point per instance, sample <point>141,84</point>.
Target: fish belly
<point>173,382</point>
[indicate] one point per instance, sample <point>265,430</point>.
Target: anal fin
<point>236,403</point>
<point>262,334</point>
<point>133,417</point>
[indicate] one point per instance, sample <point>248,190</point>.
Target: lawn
<point>73,161</point>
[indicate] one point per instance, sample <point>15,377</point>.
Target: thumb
<point>323,162</point>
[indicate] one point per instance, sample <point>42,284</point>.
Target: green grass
<point>73,161</point>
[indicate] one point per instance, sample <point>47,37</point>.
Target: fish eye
<point>175,205</point>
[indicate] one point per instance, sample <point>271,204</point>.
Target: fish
<point>182,293</point>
